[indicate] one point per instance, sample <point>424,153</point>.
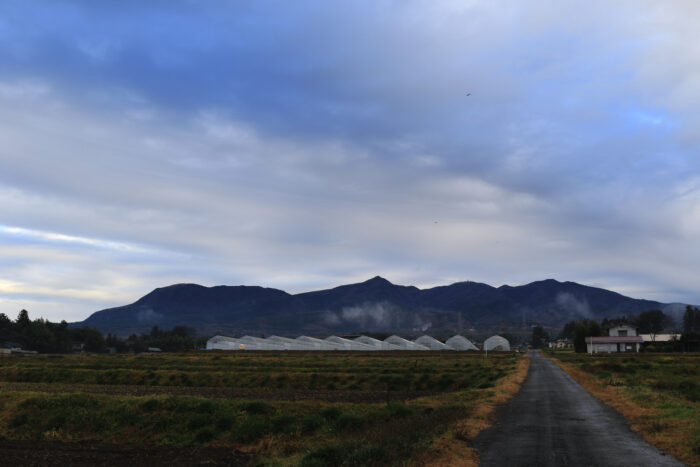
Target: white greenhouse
<point>258,343</point>
<point>376,343</point>
<point>290,344</point>
<point>349,344</point>
<point>320,344</point>
<point>362,343</point>
<point>223,343</point>
<point>432,343</point>
<point>496,343</point>
<point>460,343</point>
<point>404,343</point>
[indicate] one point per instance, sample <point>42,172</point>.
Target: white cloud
<point>356,152</point>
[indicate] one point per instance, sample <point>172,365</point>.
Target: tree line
<point>47,337</point>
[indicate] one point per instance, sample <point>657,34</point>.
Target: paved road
<point>554,421</point>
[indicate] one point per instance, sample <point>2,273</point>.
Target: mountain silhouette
<point>373,305</point>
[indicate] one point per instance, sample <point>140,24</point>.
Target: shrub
<point>258,408</point>
<point>284,424</point>
<point>149,405</point>
<point>197,421</point>
<point>224,423</point>
<point>398,410</point>
<point>349,422</point>
<point>206,407</point>
<point>311,423</point>
<point>251,429</point>
<point>331,413</point>
<point>204,435</point>
<point>327,455</point>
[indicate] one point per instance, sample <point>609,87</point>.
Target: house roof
<point>614,339</point>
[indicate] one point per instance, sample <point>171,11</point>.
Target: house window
<point>622,333</point>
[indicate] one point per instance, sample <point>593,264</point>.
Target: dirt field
<point>33,453</point>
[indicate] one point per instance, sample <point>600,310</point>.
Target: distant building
<point>621,339</point>
<point>561,344</point>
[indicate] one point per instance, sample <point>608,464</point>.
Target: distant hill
<point>373,305</point>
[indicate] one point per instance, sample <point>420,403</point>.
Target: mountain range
<point>375,305</point>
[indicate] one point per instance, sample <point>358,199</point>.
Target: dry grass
<point>655,426</point>
<point>453,448</point>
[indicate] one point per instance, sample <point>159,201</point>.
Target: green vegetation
<point>668,384</point>
<point>301,425</point>
<point>384,371</point>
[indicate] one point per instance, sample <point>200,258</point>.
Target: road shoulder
<point>454,448</point>
<point>643,420</point>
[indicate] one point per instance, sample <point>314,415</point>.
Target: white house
<point>621,339</point>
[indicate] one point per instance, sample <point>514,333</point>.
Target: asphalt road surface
<point>554,421</point>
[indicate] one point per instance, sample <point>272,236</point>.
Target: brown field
<point>269,408</point>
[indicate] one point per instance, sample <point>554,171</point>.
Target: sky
<point>308,144</point>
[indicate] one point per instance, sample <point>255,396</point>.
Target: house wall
<point>612,347</point>
<point>615,332</point>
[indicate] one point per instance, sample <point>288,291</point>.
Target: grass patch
<point>659,394</point>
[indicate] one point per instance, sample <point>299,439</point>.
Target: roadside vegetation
<point>659,394</point>
<point>390,421</point>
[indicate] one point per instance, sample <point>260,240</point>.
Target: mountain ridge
<point>373,305</point>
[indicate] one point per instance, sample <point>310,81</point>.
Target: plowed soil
<point>33,453</point>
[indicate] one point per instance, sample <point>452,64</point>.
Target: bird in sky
<point>469,94</point>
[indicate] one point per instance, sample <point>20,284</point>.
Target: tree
<point>653,322</point>
<point>539,337</point>
<point>585,328</point>
<point>23,320</point>
<point>691,320</point>
<point>91,337</point>
<point>568,330</point>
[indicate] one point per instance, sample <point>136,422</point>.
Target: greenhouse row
<point>366,343</point>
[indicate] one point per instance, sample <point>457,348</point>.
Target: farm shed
<point>404,343</point>
<point>496,343</point>
<point>460,343</point>
<point>376,343</point>
<point>661,337</point>
<point>432,343</point>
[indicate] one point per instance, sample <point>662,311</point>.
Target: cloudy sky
<point>306,144</point>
